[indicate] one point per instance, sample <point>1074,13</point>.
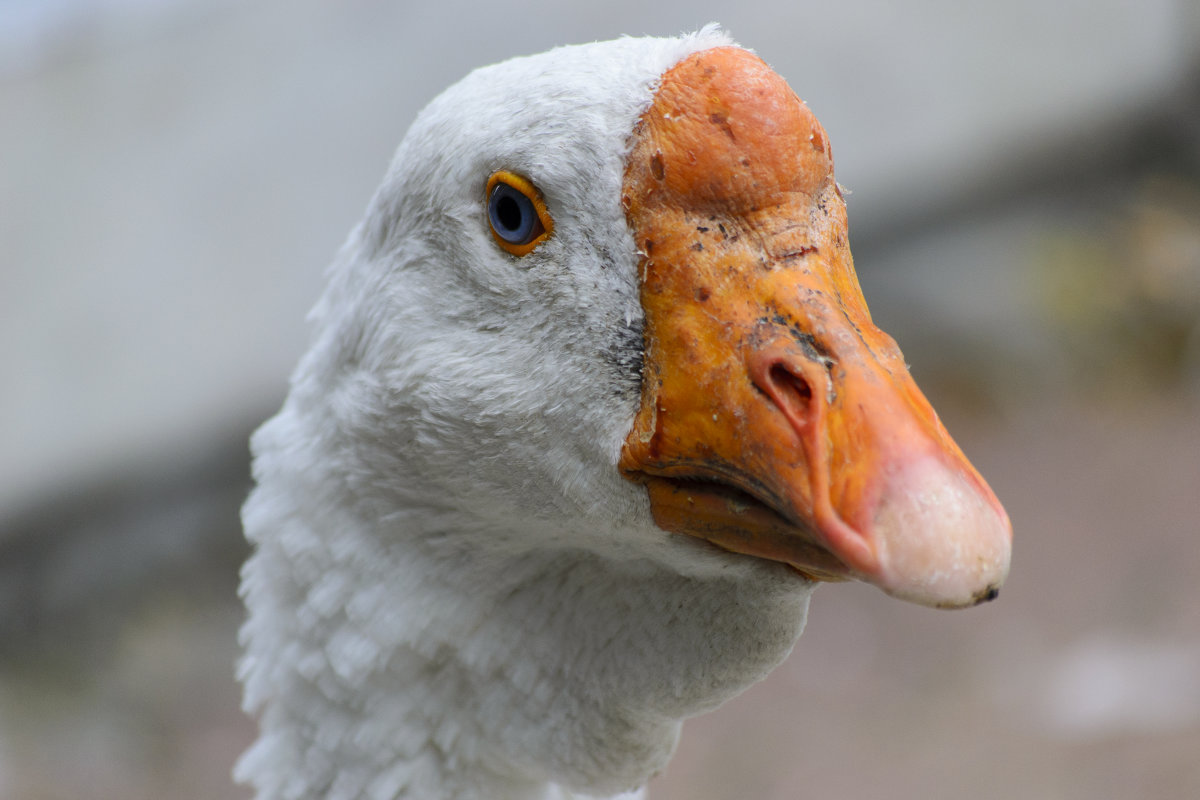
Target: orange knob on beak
<point>776,419</point>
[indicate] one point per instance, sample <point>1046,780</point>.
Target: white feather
<point>453,591</point>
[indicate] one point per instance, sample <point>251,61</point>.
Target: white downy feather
<point>453,592</point>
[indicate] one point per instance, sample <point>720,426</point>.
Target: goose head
<point>594,375</point>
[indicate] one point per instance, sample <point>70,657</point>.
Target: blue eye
<point>516,213</point>
<point>513,216</point>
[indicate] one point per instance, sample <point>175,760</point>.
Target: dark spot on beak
<point>722,121</point>
<point>984,596</point>
<point>801,253</point>
<point>987,595</point>
<point>656,167</point>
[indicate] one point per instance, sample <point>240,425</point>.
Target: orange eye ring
<point>516,213</point>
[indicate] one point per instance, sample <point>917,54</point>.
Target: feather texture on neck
<point>453,591</point>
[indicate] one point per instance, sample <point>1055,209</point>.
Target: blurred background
<point>1025,216</point>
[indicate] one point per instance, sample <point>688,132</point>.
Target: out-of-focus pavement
<point>1026,222</point>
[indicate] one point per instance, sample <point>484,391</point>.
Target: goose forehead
<point>563,117</point>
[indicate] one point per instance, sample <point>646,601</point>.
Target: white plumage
<point>454,592</point>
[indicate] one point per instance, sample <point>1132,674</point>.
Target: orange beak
<point>776,420</point>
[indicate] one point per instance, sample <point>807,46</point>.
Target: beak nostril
<point>792,390</point>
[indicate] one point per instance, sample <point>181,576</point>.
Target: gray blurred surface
<point>170,193</point>
<point>176,176</point>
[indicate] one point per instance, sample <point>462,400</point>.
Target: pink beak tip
<point>941,539</point>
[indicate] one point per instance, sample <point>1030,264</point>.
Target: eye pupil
<point>508,213</point>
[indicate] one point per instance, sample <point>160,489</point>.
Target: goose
<point>593,401</point>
